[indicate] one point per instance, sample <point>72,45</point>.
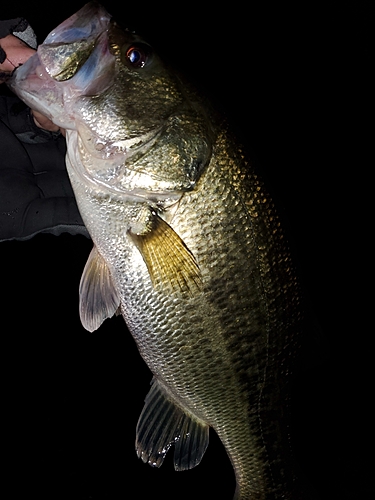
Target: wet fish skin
<point>187,243</point>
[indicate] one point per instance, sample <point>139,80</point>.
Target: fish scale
<point>219,312</point>
<point>187,245</point>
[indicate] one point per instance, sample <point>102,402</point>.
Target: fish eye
<point>137,56</point>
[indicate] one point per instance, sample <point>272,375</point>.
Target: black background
<point>294,81</point>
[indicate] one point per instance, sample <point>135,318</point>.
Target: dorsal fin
<point>98,298</point>
<point>161,424</point>
<point>168,259</point>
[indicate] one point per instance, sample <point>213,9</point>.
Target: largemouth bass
<point>188,248</point>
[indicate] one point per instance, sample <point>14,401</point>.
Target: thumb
<point>45,123</point>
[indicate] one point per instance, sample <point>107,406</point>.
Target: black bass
<point>187,246</point>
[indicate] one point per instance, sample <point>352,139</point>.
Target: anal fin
<point>163,424</point>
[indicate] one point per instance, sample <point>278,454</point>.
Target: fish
<point>187,246</point>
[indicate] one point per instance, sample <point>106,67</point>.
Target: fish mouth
<point>67,47</point>
<point>70,53</point>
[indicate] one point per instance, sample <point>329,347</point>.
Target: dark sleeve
<point>35,191</point>
<point>10,25</point>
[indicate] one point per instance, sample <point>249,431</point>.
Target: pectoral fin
<point>98,299</point>
<point>163,424</point>
<point>168,259</point>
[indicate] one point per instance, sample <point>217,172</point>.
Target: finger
<point>43,122</point>
<point>16,53</point>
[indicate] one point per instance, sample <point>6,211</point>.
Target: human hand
<point>16,53</point>
<point>45,123</point>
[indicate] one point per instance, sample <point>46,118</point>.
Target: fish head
<point>118,101</point>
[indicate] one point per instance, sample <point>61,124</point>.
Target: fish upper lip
<point>88,22</point>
